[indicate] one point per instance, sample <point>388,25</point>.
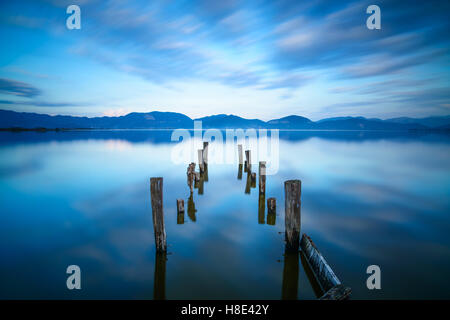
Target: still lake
<point>83,198</point>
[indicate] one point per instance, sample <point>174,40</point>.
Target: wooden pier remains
<point>328,281</point>
<point>292,194</point>
<point>156,193</point>
<point>205,152</point>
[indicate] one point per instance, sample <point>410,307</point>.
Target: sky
<point>255,59</point>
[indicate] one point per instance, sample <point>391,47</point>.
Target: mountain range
<point>172,120</point>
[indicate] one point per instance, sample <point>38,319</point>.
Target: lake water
<point>83,198</point>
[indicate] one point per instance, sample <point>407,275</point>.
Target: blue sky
<point>256,59</point>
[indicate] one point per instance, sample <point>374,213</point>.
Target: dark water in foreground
<point>83,198</point>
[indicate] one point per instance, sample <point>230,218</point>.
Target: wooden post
<point>190,176</point>
<point>240,172</point>
<point>180,211</point>
<point>156,193</point>
<point>271,211</point>
<point>159,281</point>
<point>328,281</point>
<point>180,205</point>
<point>200,160</point>
<point>248,157</point>
<point>261,208</point>
<point>205,152</point>
<point>240,155</point>
<point>292,194</point>
<point>253,179</point>
<point>262,177</point>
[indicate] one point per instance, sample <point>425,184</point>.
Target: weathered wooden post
<point>261,208</point>
<point>200,160</point>
<point>190,176</point>
<point>159,281</point>
<point>262,177</point>
<point>248,157</point>
<point>205,152</point>
<point>253,179</point>
<point>240,155</point>
<point>180,211</point>
<point>156,193</point>
<point>271,211</point>
<point>292,194</point>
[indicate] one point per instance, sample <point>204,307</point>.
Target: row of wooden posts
<point>327,280</point>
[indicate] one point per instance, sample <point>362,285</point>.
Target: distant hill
<point>431,122</point>
<point>223,121</point>
<point>172,120</point>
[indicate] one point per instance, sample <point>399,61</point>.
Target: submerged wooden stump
<point>156,193</point>
<point>292,194</point>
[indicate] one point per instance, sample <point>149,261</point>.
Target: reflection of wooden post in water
<point>253,179</point>
<point>240,155</point>
<point>261,208</point>
<point>292,194</point>
<point>248,158</point>
<point>180,211</point>
<point>205,172</point>
<point>156,193</point>
<point>191,208</point>
<point>262,177</point>
<point>245,166</point>
<point>290,275</point>
<point>240,172</point>
<point>328,281</point>
<point>248,184</point>
<point>271,211</point>
<point>159,282</point>
<point>201,183</point>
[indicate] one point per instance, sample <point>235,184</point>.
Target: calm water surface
<point>83,198</point>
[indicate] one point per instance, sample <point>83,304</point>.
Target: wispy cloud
<point>18,88</point>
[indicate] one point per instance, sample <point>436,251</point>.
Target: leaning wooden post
<point>248,159</point>
<point>327,279</point>
<point>292,194</point>
<point>156,193</point>
<point>240,155</point>
<point>262,177</point>
<point>200,160</point>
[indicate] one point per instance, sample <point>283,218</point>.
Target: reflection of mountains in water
<point>164,136</point>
